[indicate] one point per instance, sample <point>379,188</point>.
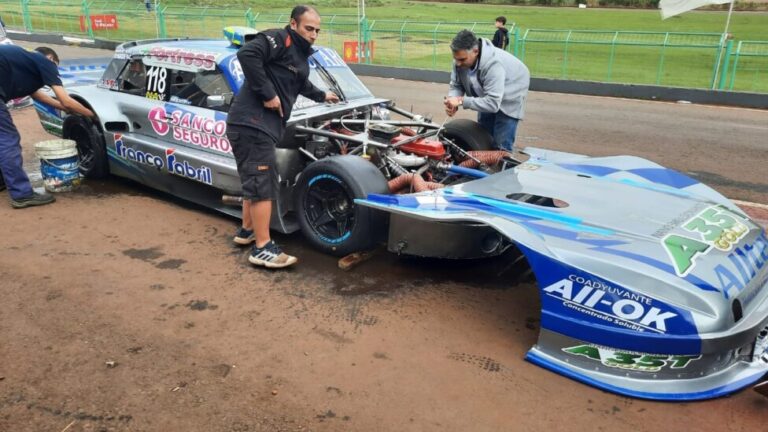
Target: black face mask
<point>302,44</point>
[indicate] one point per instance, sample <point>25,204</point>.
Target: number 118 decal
<point>157,81</point>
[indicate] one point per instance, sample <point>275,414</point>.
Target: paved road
<point>724,147</point>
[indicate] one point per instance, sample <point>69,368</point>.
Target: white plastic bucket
<point>59,165</point>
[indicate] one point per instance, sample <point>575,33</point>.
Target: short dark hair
<point>48,52</point>
<point>502,20</point>
<point>464,40</point>
<point>300,10</point>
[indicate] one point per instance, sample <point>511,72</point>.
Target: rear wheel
<point>90,146</point>
<point>468,135</point>
<point>325,207</point>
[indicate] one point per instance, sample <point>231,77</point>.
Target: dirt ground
<point>126,310</point>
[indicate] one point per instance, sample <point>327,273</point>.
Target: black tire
<point>468,135</point>
<point>325,207</point>
<point>90,146</point>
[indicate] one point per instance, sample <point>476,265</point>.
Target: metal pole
<point>735,64</point>
<point>661,60</point>
<point>157,24</point>
<point>722,43</point>
<point>613,52</point>
<point>728,49</point>
<point>565,56</point>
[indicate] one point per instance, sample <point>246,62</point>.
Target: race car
<point>652,284</point>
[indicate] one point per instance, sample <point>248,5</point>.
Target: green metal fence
<point>418,44</point>
<point>52,16</point>
<point>702,60</point>
<point>675,59</point>
<point>750,67</point>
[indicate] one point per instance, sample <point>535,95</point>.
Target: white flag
<point>676,7</point>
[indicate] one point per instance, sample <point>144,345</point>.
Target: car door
<point>135,151</point>
<point>176,138</point>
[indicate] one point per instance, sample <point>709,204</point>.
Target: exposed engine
<point>413,155</point>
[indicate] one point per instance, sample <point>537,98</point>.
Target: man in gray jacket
<point>490,81</point>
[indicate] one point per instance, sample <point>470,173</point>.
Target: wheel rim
<point>84,150</point>
<point>329,209</point>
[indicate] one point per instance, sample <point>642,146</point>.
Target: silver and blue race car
<point>652,284</point>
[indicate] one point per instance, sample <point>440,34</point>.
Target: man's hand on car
<point>274,104</point>
<point>452,104</point>
<point>331,97</point>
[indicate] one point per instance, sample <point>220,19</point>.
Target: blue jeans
<point>10,157</point>
<point>501,127</point>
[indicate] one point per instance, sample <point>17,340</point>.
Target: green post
<point>434,46</point>
<point>610,59</point>
<point>661,60</point>
<point>160,14</point>
<point>522,46</point>
<point>735,65</point>
<point>564,73</point>
<point>402,29</point>
<point>516,44</point>
<point>724,65</point>
<point>367,40</point>
<point>718,54</point>
<point>87,18</point>
<point>250,19</point>
<point>330,31</point>
<point>25,16</point>
<point>359,52</point>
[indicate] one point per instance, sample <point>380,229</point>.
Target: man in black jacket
<point>501,37</point>
<point>275,64</point>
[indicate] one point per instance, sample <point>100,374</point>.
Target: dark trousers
<point>10,157</point>
<point>502,128</point>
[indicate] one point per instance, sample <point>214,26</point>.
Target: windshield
<point>328,59</point>
<point>352,87</point>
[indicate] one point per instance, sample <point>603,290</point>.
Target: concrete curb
<point>590,88</point>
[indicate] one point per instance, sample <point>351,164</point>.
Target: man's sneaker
<point>244,236</point>
<point>35,199</point>
<point>271,256</point>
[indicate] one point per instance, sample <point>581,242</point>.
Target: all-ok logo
<point>611,304</point>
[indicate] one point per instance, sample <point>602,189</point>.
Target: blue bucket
<point>59,165</point>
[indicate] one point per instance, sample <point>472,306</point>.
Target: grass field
<point>421,46</point>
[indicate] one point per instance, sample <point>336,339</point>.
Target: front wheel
<point>327,213</point>
<point>90,146</point>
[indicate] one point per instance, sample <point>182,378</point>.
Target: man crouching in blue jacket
<point>490,81</point>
